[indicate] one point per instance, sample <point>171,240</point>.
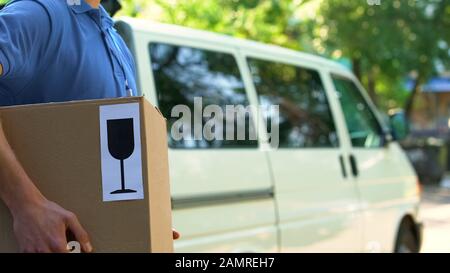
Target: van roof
<point>149,26</point>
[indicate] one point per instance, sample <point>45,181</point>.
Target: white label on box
<point>121,156</point>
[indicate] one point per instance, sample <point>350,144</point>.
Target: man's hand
<point>41,228</point>
<point>39,225</point>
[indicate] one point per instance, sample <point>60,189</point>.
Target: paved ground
<point>435,212</point>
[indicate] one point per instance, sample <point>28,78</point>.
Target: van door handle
<point>354,165</point>
<point>344,171</point>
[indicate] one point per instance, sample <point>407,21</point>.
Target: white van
<point>338,182</point>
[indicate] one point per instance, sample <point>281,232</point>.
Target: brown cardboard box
<point>68,154</point>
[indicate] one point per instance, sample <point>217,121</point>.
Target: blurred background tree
<point>268,21</point>
<point>393,48</point>
<point>387,45</point>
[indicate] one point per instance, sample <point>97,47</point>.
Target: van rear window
<point>191,79</point>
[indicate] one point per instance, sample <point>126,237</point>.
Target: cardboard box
<point>104,160</point>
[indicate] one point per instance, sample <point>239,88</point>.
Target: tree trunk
<point>410,101</point>
<point>356,63</point>
<point>371,85</point>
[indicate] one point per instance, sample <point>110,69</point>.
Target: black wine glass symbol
<point>121,145</point>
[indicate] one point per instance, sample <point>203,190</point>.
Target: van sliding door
<point>221,186</point>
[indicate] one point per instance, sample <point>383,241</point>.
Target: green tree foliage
<point>385,43</point>
<point>133,8</point>
<point>270,21</point>
<point>389,41</point>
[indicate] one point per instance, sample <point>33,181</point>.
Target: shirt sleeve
<point>24,30</point>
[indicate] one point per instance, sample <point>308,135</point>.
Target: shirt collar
<point>107,21</point>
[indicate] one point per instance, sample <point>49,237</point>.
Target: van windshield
<point>362,125</point>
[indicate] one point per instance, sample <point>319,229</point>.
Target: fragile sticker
<point>121,155</point>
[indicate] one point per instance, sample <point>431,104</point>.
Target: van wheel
<point>406,238</point>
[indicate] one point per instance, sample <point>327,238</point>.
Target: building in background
<point>431,112</point>
<point>429,146</point>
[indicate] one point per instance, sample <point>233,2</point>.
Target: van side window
<point>305,119</point>
<point>363,127</point>
<point>196,79</point>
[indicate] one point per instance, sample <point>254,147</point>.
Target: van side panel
<point>318,207</point>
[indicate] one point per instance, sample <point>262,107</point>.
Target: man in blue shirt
<point>53,51</point>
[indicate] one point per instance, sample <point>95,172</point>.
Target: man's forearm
<point>16,188</point>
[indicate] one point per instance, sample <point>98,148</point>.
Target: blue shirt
<point>52,51</point>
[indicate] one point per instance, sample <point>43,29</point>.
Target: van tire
<point>407,241</point>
